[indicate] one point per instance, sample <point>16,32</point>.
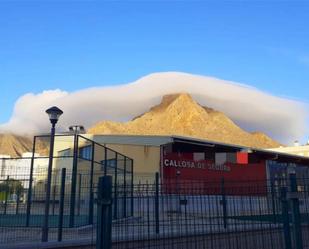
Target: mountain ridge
<point>14,145</point>
<point>179,114</point>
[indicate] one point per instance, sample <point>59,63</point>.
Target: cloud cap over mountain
<point>254,110</point>
<point>179,114</point>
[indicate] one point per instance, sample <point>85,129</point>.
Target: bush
<point>11,186</point>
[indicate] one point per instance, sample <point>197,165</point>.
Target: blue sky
<point>73,45</point>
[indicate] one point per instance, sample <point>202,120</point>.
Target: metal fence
<point>213,215</point>
<point>17,225</point>
<point>72,209</point>
<point>168,214</point>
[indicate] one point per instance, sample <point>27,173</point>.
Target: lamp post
<point>76,130</point>
<point>54,113</point>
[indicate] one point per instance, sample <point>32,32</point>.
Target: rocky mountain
<point>179,114</point>
<point>14,145</point>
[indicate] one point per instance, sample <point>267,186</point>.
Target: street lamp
<point>54,113</point>
<point>77,129</point>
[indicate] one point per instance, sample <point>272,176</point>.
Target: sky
<point>73,45</point>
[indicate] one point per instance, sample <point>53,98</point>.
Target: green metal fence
<point>154,214</point>
<point>213,215</point>
<point>78,163</point>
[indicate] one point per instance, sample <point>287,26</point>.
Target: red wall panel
<point>206,174</point>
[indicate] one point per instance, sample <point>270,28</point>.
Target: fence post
<point>7,191</point>
<point>178,173</point>
<point>54,197</point>
<point>157,204</point>
<point>104,222</point>
<point>132,188</point>
<point>17,201</point>
<point>73,184</point>
<point>116,188</point>
<point>79,193</point>
<point>125,189</point>
<point>61,204</point>
<point>296,219</point>
<point>29,196</point>
<point>273,203</point>
<point>223,203</point>
<point>90,218</point>
<point>285,218</point>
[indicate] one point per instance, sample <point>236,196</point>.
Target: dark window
<point>64,153</point>
<point>110,163</point>
<point>85,152</point>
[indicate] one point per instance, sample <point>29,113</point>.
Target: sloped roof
<point>157,141</point>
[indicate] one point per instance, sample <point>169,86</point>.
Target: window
<point>110,163</point>
<point>64,153</point>
<point>85,152</point>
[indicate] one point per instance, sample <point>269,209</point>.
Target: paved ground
<point>176,231</point>
<point>140,228</point>
<point>19,220</point>
<point>245,240</point>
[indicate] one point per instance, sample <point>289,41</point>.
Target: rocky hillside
<point>14,145</point>
<point>179,114</point>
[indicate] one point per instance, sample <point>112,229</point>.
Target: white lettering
<point>198,165</point>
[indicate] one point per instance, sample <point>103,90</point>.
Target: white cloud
<point>282,118</point>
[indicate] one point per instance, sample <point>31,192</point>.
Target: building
<point>192,159</point>
<point>19,168</point>
<point>84,161</point>
<point>297,149</point>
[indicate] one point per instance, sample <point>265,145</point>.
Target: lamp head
<point>77,129</point>
<point>54,113</point>
<point>82,129</point>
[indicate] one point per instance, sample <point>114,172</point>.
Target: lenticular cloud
<point>252,109</point>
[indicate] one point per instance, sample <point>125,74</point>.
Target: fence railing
<point>22,218</point>
<point>213,215</point>
<point>163,214</point>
